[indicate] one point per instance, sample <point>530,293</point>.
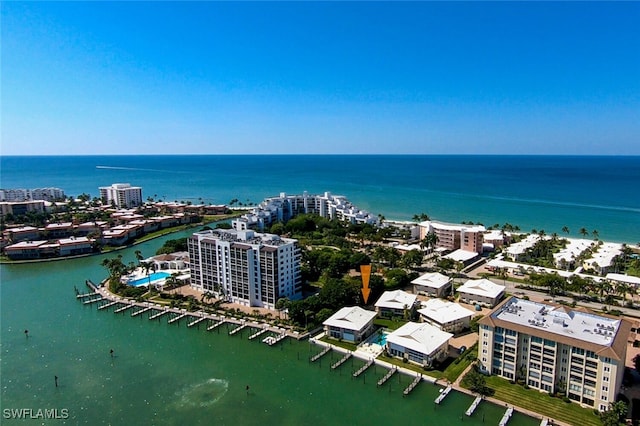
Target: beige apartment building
<point>556,349</point>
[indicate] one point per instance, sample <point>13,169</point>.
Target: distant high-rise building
<point>123,195</point>
<point>45,194</point>
<point>245,267</point>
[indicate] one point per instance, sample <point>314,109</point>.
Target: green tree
<point>412,259</point>
<point>565,229</point>
<point>615,415</point>
<point>476,382</point>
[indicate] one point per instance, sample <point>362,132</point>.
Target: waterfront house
<point>419,343</point>
<point>432,284</point>
<point>352,324</point>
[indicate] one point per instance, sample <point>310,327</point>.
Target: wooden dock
<point>237,329</point>
<point>82,296</point>
<point>363,368</point>
<point>107,305</point>
<point>443,394</point>
<point>90,301</point>
<point>341,360</point>
<point>473,406</point>
<point>320,355</point>
<point>178,318</point>
<point>216,325</point>
<point>124,308</point>
<point>159,314</point>
<point>196,321</point>
<point>258,333</point>
<point>412,386</point>
<point>506,417</point>
<point>387,376</point>
<point>139,311</point>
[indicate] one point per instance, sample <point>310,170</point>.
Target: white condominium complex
<point>245,267</point>
<point>123,195</point>
<point>556,349</point>
<point>454,237</point>
<point>285,207</point>
<point>46,194</point>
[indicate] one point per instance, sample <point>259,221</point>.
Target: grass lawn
<point>391,324</point>
<point>542,403</point>
<point>343,344</point>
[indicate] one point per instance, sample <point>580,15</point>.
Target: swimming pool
<point>150,278</point>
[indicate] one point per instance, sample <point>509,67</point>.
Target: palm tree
<point>565,229</point>
<point>583,232</point>
<point>595,234</point>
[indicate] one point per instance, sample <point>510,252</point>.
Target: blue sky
<point>334,77</point>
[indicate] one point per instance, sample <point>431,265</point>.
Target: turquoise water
<point>173,375</point>
<point>149,278</point>
<point>541,192</point>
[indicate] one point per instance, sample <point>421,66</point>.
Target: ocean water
<point>533,192</point>
<point>173,375</point>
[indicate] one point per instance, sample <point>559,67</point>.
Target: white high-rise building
<point>245,267</point>
<point>123,195</point>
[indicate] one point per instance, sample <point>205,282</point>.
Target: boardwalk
<point>123,308</point>
<point>139,311</point>
<point>177,318</point>
<point>198,320</point>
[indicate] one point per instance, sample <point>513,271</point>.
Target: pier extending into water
<point>443,394</point>
<point>159,314</point>
<point>387,376</point>
<point>320,355</point>
<point>139,311</point>
<point>341,360</point>
<point>107,305</point>
<point>215,325</point>
<point>258,333</point>
<point>237,329</point>
<point>473,406</point>
<point>363,368</point>
<point>412,386</point>
<point>177,318</point>
<point>506,417</point>
<point>197,321</point>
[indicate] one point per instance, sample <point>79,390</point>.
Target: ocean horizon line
<point>329,155</point>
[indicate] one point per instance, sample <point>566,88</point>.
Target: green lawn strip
<point>398,362</point>
<point>389,323</point>
<point>342,344</point>
<point>542,403</point>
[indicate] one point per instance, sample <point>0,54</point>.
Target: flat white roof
<point>432,279</point>
<point>629,279</point>
<point>350,318</point>
<point>420,337</point>
<point>461,255</point>
<point>396,299</point>
<point>481,287</point>
<point>559,320</point>
<point>443,311</point>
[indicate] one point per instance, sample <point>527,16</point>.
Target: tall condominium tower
<point>245,267</point>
